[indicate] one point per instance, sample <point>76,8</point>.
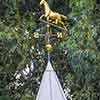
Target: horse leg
<point>42,16</point>
<point>47,18</point>
<point>56,21</point>
<point>63,24</point>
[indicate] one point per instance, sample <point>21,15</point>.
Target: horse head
<point>42,2</point>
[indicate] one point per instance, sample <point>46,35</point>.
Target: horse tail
<point>63,17</point>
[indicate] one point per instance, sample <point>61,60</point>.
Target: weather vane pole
<point>48,45</point>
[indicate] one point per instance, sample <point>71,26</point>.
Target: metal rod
<point>53,25</point>
<point>48,39</point>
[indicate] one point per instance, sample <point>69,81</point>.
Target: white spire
<point>50,88</point>
<point>49,67</point>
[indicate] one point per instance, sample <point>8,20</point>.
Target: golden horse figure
<point>51,15</point>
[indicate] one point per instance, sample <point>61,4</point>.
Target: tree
<point>75,57</point>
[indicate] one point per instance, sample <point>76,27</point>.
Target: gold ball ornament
<point>49,47</point>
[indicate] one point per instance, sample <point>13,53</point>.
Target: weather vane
<point>52,18</point>
<point>50,87</point>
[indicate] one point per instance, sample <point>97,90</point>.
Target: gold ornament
<point>52,15</point>
<point>36,35</point>
<point>60,34</point>
<point>49,47</point>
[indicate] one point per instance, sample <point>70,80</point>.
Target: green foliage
<point>76,57</point>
